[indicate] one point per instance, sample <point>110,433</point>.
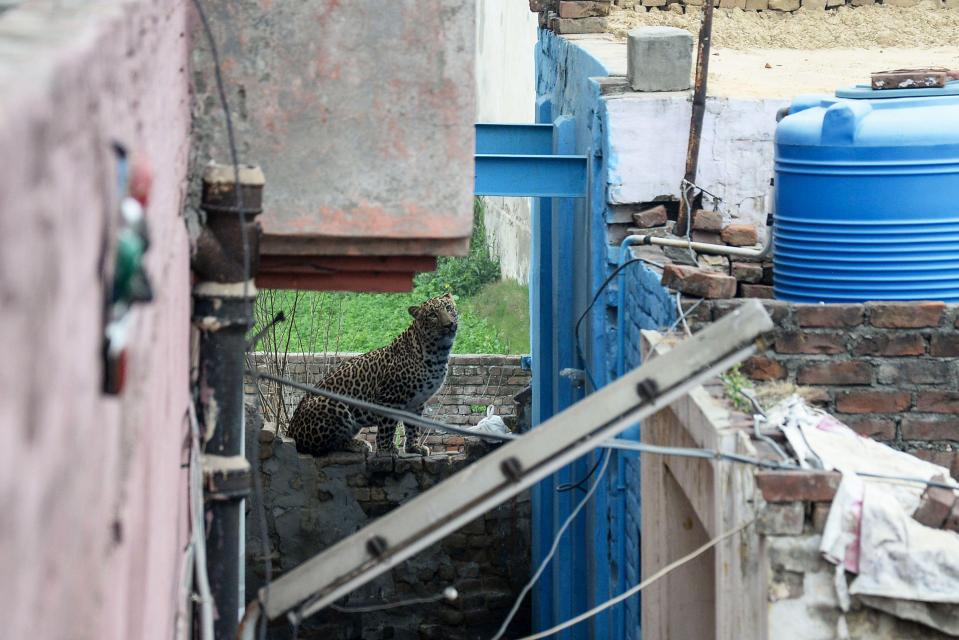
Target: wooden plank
<point>435,513</point>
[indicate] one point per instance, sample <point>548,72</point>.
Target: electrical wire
<point>579,485</point>
<point>682,314</point>
<point>613,443</point>
<point>554,547</point>
<point>197,531</point>
<point>245,241</point>
<point>639,587</point>
<point>592,303</point>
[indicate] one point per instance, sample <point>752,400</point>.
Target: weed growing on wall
<point>734,382</point>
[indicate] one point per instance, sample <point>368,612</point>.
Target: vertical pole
<point>564,356</point>
<point>222,313</point>
<point>601,354</point>
<point>541,334</point>
<point>696,118</point>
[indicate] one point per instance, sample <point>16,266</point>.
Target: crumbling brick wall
<point>888,370</point>
<point>800,582</point>
<point>311,503</point>
<point>474,382</point>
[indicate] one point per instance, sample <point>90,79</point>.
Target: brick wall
<point>586,16</point>
<point>311,503</point>
<point>888,370</point>
<point>473,383</point>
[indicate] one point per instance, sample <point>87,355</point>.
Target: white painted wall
<point>506,92</point>
<point>647,139</point>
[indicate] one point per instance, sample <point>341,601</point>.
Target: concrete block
<point>757,5</point>
<point>786,518</point>
<point>659,59</point>
<point>784,5</point>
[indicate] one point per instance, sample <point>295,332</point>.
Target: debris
<point>696,282</point>
<point>740,235</point>
<point>654,217</point>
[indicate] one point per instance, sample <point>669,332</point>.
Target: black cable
<point>571,486</point>
<point>245,241</point>
<point>579,322</point>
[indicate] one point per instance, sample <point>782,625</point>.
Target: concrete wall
<point>312,503</point>
<point>360,114</point>
<point>473,383</point>
<point>93,493</point>
<point>505,39</point>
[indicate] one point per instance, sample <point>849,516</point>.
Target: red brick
<point>746,271</point>
<point>938,402</point>
<point>944,346</point>
<point>763,368</point>
<point>905,315</point>
<point>917,371</point>
<point>947,459</point>
<point>817,396</point>
<point>804,342</point>
<point>872,426</point>
<point>930,429</point>
<point>829,315</point>
<point>936,506</point>
<point>778,310</point>
<point>740,235</point>
<point>708,237</point>
<point>790,486</point>
<point>696,282</point>
<point>842,373</point>
<point>583,9</point>
<point>873,401</point>
<point>891,344</point>
<point>708,221</point>
<point>763,291</point>
<point>654,217</point>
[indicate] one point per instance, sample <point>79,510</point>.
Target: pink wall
<point>92,495</point>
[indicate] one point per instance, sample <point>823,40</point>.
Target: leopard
<point>404,375</point>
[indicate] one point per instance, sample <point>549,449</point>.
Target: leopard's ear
<point>414,311</point>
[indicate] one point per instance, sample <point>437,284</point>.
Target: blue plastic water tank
<point>867,196</point>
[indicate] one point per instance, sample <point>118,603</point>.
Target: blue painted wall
<point>599,556</point>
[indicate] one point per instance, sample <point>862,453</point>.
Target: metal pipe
<point>703,247</point>
<point>222,312</point>
<point>698,110</point>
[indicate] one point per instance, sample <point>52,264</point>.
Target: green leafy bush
<point>464,276</point>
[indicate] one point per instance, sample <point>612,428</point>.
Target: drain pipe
<point>222,312</point>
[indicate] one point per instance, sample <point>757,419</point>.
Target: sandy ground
<point>873,27</point>
<point>785,73</point>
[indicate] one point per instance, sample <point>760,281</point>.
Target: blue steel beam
<point>538,176</point>
<point>514,139</point>
<point>541,327</point>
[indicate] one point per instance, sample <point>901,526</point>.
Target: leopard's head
<point>436,316</point>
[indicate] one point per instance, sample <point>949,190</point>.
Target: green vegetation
<point>494,315</point>
<point>734,382</point>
